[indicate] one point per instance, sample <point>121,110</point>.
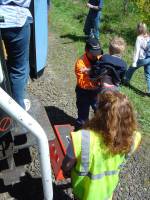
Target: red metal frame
<point>56,156</point>
<point>58,151</point>
<point>56,129</point>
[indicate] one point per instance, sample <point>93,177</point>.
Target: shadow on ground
<point>74,38</point>
<point>31,188</point>
<point>59,193</point>
<point>58,116</point>
<point>27,189</point>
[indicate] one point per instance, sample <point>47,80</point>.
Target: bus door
<point>39,37</point>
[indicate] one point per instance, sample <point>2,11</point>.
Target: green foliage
<point>144,9</point>
<point>67,19</point>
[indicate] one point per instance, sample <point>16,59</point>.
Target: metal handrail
<point>21,116</point>
<point>1,73</point>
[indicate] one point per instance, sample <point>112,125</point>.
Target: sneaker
<point>78,124</point>
<point>27,104</point>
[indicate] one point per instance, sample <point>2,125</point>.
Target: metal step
<point>13,166</point>
<point>11,177</point>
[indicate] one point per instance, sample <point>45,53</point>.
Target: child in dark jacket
<point>110,69</point>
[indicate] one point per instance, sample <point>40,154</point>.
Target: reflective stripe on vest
<point>85,150</point>
<point>85,154</point>
<point>98,176</point>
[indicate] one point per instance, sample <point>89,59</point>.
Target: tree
<point>144,9</point>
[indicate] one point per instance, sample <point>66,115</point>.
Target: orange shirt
<point>83,80</point>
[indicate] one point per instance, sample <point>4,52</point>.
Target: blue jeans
<point>142,62</point>
<point>92,24</point>
<point>17,41</point>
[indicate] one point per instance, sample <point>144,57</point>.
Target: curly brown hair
<point>115,120</point>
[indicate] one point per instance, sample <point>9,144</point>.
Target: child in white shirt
<point>140,58</point>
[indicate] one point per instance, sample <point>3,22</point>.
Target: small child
<point>110,69</point>
<point>141,56</point>
<point>97,153</point>
<point>86,89</point>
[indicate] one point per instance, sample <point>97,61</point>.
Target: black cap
<point>93,46</point>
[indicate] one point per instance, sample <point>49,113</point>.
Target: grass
<point>67,19</point>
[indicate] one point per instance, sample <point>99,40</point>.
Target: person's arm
<point>99,7</point>
<point>137,142</point>
<point>135,145</point>
<point>69,160</point>
<point>136,52</point>
<point>93,7</point>
<point>123,71</point>
<point>81,71</point>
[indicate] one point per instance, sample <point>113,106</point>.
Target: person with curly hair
<point>97,153</point>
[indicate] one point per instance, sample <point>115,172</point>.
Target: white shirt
<point>139,50</point>
<point>15,16</point>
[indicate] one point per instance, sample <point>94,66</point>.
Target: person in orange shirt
<point>86,90</point>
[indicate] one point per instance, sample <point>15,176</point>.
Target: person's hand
<point>89,5</point>
<point>134,65</point>
<point>84,70</point>
<point>67,174</point>
<point>67,165</point>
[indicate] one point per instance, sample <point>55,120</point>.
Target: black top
<point>109,69</point>
<point>98,3</point>
<point>119,65</point>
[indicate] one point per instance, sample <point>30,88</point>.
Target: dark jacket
<point>98,3</point>
<point>109,67</point>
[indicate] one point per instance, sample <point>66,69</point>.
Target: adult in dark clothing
<point>92,23</point>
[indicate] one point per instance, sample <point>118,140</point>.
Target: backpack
<point>147,50</point>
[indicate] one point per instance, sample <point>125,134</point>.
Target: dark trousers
<point>85,99</point>
<point>17,46</point>
<point>92,24</point>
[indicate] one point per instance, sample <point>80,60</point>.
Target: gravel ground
<point>55,89</point>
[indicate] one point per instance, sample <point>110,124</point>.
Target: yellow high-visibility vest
<point>95,175</point>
